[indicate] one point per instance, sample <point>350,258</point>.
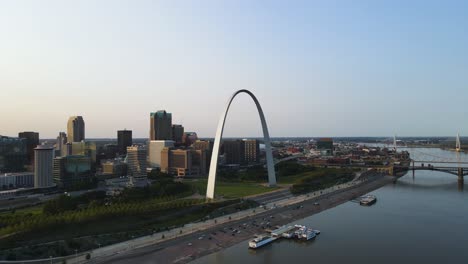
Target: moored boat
<point>260,241</point>
<point>368,200</point>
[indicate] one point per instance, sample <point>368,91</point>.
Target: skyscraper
<point>136,161</point>
<point>160,125</point>
<point>154,151</point>
<point>71,170</point>
<point>206,146</point>
<point>124,140</point>
<point>43,166</point>
<point>233,151</point>
<point>85,148</point>
<point>12,154</point>
<point>251,151</point>
<point>76,129</point>
<point>61,142</point>
<point>32,140</point>
<point>177,133</point>
<point>189,138</point>
<point>203,145</point>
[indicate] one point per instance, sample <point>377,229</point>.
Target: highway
<point>272,196</point>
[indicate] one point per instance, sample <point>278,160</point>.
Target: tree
<point>158,175</point>
<point>60,204</point>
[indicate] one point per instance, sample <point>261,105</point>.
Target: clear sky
<point>319,68</point>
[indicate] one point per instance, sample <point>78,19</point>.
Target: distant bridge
<point>459,170</point>
<point>434,161</point>
<point>290,158</point>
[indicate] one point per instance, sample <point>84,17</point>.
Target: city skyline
<point>182,131</point>
<point>348,69</point>
<point>116,136</point>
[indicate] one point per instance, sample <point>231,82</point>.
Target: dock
<point>281,231</point>
<point>299,232</point>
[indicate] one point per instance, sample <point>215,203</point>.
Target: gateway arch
<point>219,133</point>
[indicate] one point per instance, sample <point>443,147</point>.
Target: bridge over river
<point>456,168</point>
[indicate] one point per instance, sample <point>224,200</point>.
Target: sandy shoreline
<point>187,248</point>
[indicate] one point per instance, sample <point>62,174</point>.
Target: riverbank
<point>218,236</point>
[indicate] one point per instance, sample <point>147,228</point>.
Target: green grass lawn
<point>37,209</point>
<point>318,172</point>
<point>232,189</point>
<point>293,178</point>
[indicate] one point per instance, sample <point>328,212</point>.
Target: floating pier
<point>300,232</point>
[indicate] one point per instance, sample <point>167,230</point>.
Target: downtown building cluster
<point>72,162</point>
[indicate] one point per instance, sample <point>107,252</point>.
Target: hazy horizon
<point>318,68</point>
<point>291,137</point>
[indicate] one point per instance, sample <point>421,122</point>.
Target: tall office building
<point>177,133</point>
<point>203,144</point>
<point>43,166</point>
<point>251,151</point>
<point>154,151</point>
<point>189,138</point>
<point>183,162</point>
<point>241,151</point>
<point>160,125</point>
<point>76,129</point>
<point>32,140</point>
<point>84,148</point>
<point>114,168</point>
<point>71,170</point>
<point>233,151</point>
<point>12,154</point>
<point>67,149</point>
<point>61,143</point>
<point>124,140</point>
<point>108,151</point>
<point>200,161</point>
<point>136,161</point>
<point>206,146</point>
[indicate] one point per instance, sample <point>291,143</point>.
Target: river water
<point>420,219</point>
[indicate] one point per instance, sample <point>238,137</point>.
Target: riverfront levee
<point>186,248</point>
